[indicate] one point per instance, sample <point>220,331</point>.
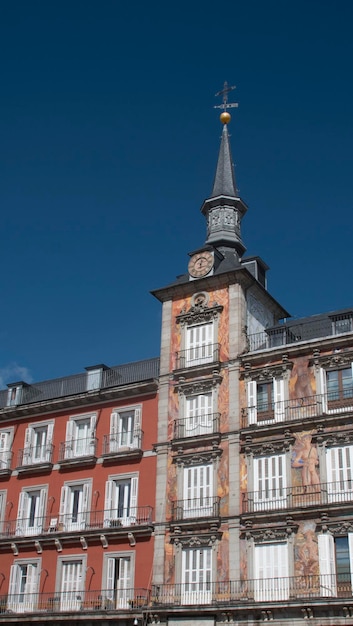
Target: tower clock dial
<point>200,264</point>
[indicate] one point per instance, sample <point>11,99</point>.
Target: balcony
<point>316,327</point>
<point>197,511</point>
<point>324,494</point>
<point>35,458</point>
<point>78,451</point>
<point>71,601</point>
<point>248,592</point>
<point>5,462</point>
<point>202,356</point>
<point>114,520</point>
<point>122,444</point>
<point>332,403</point>
<point>197,429</point>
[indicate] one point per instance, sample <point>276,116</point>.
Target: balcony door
<point>119,593</point>
<point>71,586</point>
<point>197,576</point>
<point>199,344</point>
<point>198,415</point>
<point>271,572</point>
<point>198,491</point>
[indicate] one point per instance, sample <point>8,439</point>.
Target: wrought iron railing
<point>335,401</point>
<point>77,522</point>
<point>77,448</point>
<point>197,356</point>
<point>128,599</point>
<point>195,508</point>
<point>250,591</point>
<point>122,441</point>
<point>274,499</point>
<point>196,425</point>
<point>35,455</point>
<point>313,328</point>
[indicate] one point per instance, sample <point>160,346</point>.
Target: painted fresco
<point>306,557</point>
<point>305,462</point>
<point>302,383</point>
<point>223,558</point>
<point>223,480</point>
<point>223,401</point>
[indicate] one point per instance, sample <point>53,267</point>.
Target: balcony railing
<point>198,356</point>
<point>195,508</point>
<point>250,591</point>
<point>298,496</point>
<point>120,442</point>
<point>77,448</point>
<point>35,455</point>
<point>331,403</point>
<point>71,601</point>
<point>197,425</point>
<point>77,522</point>
<point>5,461</point>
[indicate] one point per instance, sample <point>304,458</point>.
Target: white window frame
<point>121,508</point>
<point>119,585</point>
<point>71,590</point>
<point>278,401</point>
<point>76,446</point>
<point>14,395</point>
<point>25,525</point>
<point>198,490</point>
<point>197,575</point>
<point>339,473</point>
<point>125,428</point>
<point>30,456</point>
<point>6,437</point>
<point>271,569</point>
<point>24,600</point>
<point>270,482</point>
<point>199,343</point>
<point>71,519</point>
<point>198,412</point>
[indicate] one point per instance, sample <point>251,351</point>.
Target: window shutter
<point>136,443</point>
<point>133,497</point>
<point>108,501</point>
<point>278,394</point>
<point>327,565</point>
<point>110,578</point>
<point>41,509</point>
<point>350,544</point>
<point>32,580</point>
<point>48,451</point>
<point>93,425</point>
<point>22,516</point>
<point>113,423</point>
<point>14,585</point>
<point>251,388</point>
<point>64,500</point>
<point>323,388</point>
<point>69,439</point>
<point>270,482</point>
<point>27,452</point>
<point>86,501</point>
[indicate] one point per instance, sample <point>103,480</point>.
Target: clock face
<point>200,264</point>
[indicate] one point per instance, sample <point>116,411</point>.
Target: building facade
<point>77,494</point>
<point>213,485</point>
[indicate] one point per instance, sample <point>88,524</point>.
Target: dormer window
<point>14,394</point>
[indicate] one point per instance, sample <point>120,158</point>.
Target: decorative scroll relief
<point>196,541</point>
<point>330,440</point>
<point>335,361</point>
<point>199,312</point>
<point>262,535</point>
<point>201,458</point>
<point>258,317</point>
<point>335,528</point>
<point>203,385</point>
<point>266,448</point>
<point>267,373</point>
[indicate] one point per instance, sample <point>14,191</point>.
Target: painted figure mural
<point>305,457</point>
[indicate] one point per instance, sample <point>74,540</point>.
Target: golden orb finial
<point>225,117</point>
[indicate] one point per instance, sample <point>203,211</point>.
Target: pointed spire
<point>224,182</point>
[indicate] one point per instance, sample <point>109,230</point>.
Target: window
<point>199,344</point>
<point>120,508</point>
<point>23,587</point>
<point>74,506</point>
<point>80,437</point>
<point>199,418</point>
<point>196,576</point>
<point>125,429</point>
<point>14,395</point>
<point>31,507</point>
<point>336,564</point>
<point>38,444</point>
<point>265,401</point>
<point>119,589</point>
<point>271,572</point>
<point>71,585</point>
<point>198,491</point>
<point>342,324</point>
<point>339,467</point>
<point>337,387</point>
<point>270,482</point>
<point>5,449</point>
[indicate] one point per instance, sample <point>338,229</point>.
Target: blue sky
<point>109,143</point>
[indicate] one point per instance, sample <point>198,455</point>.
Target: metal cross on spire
<point>224,93</point>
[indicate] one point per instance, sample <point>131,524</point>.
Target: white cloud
<point>12,373</point>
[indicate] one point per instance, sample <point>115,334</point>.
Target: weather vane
<point>225,116</point>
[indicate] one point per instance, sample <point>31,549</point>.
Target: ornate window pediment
<point>203,385</point>
<point>264,448</point>
<point>199,312</point>
<point>267,372</point>
<point>263,535</point>
<point>334,361</point>
<point>198,458</point>
<point>196,541</point>
<point>336,528</point>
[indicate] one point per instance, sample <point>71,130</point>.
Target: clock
<point>200,264</point>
